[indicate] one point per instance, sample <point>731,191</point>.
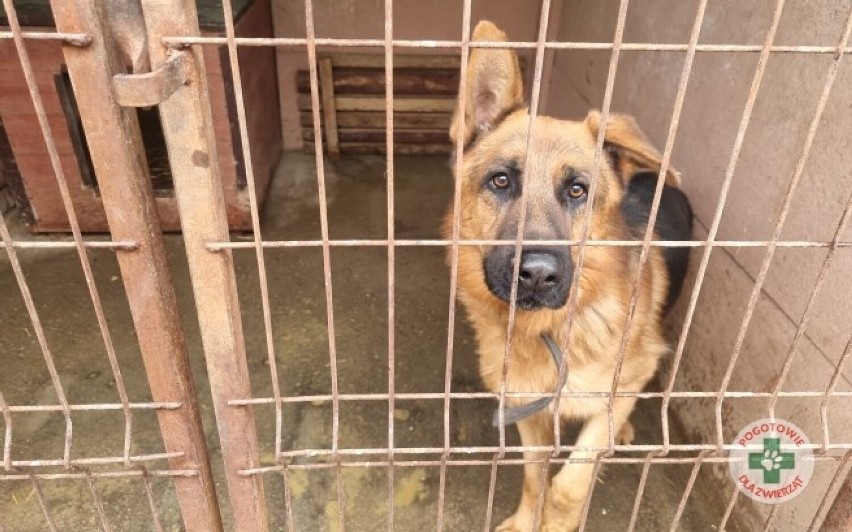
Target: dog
<point>555,176</point>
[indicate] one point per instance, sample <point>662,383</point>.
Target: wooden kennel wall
<point>23,153</point>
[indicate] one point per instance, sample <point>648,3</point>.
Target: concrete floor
<point>356,193</point>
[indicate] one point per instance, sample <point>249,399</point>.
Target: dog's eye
<point>577,191</point>
<point>500,181</point>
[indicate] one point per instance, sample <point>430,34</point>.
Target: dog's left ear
<point>628,147</point>
<point>494,86</point>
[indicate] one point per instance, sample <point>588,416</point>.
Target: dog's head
<point>555,175</point>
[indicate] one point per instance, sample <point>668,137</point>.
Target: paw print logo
<point>771,460</point>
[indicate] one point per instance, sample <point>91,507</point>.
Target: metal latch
<point>142,88</point>
<point>152,88</point>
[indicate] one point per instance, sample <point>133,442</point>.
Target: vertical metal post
<point>188,128</point>
<point>125,186</point>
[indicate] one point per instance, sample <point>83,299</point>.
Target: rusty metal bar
<point>180,41</point>
<point>288,500</point>
<point>637,501</point>
<point>649,230</point>
<point>829,392</point>
<point>487,449</point>
<point>839,515</point>
<point>118,154</point>
<point>100,460</point>
<point>831,492</point>
<point>587,503</point>
<point>729,508</point>
<point>72,39</point>
<point>94,406</point>
<point>770,519</point>
<point>782,217</point>
<point>170,473</point>
<point>525,395</point>
<point>149,494</point>
<point>806,314</point>
<point>215,246</point>
<point>581,253</point>
<point>389,175</point>
<point>99,504</point>
<point>508,462</point>
<point>92,244</point>
<point>720,206</point>
<point>652,215</point>
<point>187,124</point>
<point>236,76</point>
<point>42,502</point>
<point>519,235</point>
<point>454,267</point>
<point>7,239</point>
<point>7,433</point>
<point>689,485</point>
<point>326,254</point>
<point>85,262</point>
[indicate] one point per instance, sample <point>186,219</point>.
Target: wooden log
<point>399,61</point>
<point>408,136</point>
<point>376,120</point>
<point>357,148</point>
<point>406,81</point>
<point>374,103</point>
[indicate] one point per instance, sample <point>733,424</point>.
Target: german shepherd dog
<point>555,175</point>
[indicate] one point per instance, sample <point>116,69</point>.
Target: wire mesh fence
<point>209,249</point>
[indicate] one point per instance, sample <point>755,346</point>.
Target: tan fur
<point>604,286</point>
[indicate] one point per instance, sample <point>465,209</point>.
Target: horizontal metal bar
<point>74,39</point>
<point>645,448</point>
<point>551,45</point>
<point>93,244</point>
<point>101,474</point>
<point>216,246</point>
<point>101,460</point>
<point>525,395</point>
<point>95,406</point>
<point>624,460</point>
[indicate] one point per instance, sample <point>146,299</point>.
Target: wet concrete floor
<point>357,209</point>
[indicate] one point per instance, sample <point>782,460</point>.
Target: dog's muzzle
<point>544,276</point>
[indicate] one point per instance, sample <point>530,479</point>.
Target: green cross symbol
<point>771,460</point>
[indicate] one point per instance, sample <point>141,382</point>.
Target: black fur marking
<point>674,222</point>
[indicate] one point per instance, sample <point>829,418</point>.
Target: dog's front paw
<point>625,435</point>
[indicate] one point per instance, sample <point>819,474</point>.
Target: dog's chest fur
<point>591,357</point>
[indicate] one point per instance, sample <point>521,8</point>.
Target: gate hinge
<point>153,88</point>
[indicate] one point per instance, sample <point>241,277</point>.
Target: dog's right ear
<point>494,86</point>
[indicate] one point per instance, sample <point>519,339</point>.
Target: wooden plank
<point>399,149</point>
<point>406,136</point>
<point>376,120</point>
<point>406,81</point>
<point>372,148</point>
<point>329,109</point>
<point>374,103</point>
<point>399,61</point>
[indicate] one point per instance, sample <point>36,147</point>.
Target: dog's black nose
<point>539,273</point>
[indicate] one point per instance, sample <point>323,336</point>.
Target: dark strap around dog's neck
<point>514,414</point>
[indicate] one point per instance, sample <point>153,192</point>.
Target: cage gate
<point>169,72</point>
<point>177,83</point>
